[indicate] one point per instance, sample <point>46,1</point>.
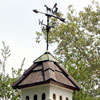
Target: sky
<point>18,26</point>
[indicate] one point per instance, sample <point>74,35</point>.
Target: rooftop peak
<point>47,56</point>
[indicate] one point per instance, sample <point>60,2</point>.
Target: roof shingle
<point>46,71</point>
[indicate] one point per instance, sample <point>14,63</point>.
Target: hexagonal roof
<point>46,70</point>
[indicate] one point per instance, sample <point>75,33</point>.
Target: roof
<point>46,70</point>
<point>47,56</point>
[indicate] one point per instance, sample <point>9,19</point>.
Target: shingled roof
<point>46,70</point>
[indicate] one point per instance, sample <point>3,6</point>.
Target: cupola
<point>46,79</point>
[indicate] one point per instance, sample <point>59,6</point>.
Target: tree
<point>6,81</point>
<point>5,52</point>
<point>78,48</point>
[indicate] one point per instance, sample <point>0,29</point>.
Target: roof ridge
<point>23,76</point>
<point>74,82</point>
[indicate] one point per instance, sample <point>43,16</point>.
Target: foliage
<point>5,52</point>
<point>6,81</point>
<point>78,49</point>
<point>6,90</point>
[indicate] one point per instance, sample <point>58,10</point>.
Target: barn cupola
<point>46,79</point>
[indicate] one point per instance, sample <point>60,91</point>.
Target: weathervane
<point>54,12</point>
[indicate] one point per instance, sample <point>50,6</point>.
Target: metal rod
<point>47,31</point>
<point>61,19</point>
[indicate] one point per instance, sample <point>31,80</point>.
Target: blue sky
<point>18,25</point>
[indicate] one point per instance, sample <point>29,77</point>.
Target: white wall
<point>48,89</point>
<point>35,90</point>
<point>59,91</point>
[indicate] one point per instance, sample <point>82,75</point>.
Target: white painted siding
<point>59,91</point>
<point>48,89</point>
<point>39,90</point>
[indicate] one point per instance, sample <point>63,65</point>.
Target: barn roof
<point>46,70</point>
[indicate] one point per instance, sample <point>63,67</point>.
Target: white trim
<point>49,84</point>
